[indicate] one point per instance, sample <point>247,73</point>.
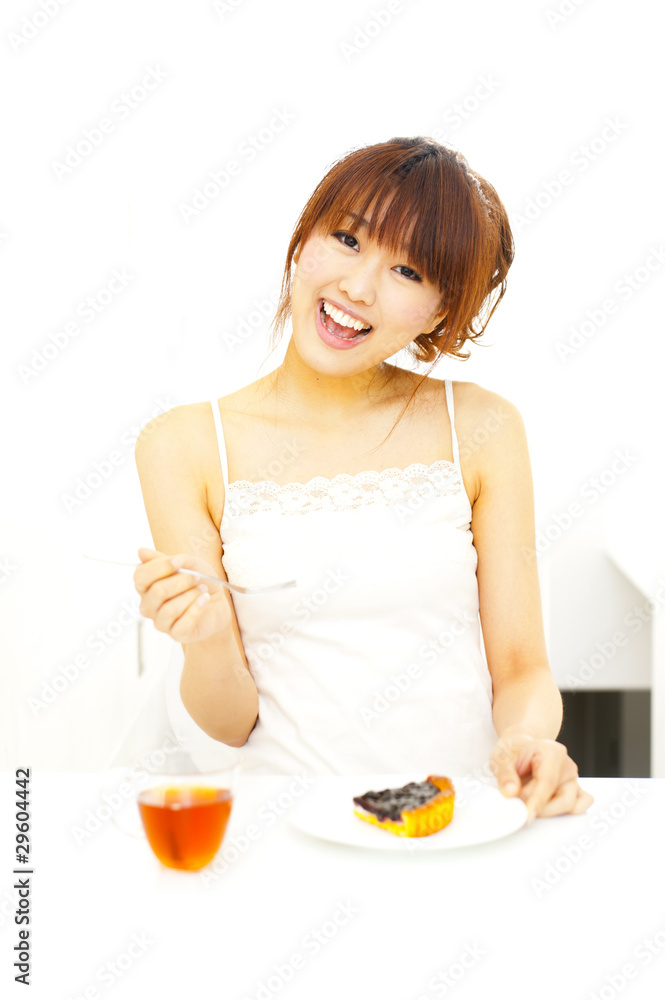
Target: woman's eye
<point>342,236</point>
<point>413,275</point>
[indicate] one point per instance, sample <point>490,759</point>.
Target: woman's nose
<point>360,281</point>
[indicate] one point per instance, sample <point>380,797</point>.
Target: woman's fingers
<point>570,798</point>
<point>507,777</point>
<point>145,554</point>
<point>503,763</point>
<point>196,564</point>
<point>173,610</point>
<point>157,579</point>
<point>165,590</point>
<point>171,599</point>
<point>561,802</point>
<point>187,627</point>
<point>156,567</point>
<point>544,775</point>
<point>551,769</point>
<point>166,595</point>
<point>584,800</point>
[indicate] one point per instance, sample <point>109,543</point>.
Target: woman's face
<point>362,279</point>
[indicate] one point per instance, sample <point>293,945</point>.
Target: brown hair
<point>461,240</point>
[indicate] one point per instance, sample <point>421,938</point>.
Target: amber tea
<point>185,824</point>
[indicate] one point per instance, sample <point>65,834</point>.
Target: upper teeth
<point>343,319</point>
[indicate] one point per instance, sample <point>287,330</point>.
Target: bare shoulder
<point>476,406</point>
<point>181,443</point>
<point>181,429</point>
<point>186,436</point>
<point>190,428</point>
<point>490,432</point>
<point>191,425</point>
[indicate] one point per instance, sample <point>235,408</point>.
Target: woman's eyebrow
<point>359,222</point>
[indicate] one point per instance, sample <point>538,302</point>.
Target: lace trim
<point>344,491</point>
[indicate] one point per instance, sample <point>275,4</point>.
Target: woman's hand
<point>185,607</point>
<point>541,773</point>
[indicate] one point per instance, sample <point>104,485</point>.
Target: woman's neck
<point>331,401</point>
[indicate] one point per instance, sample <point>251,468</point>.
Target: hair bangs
<point>407,213</point>
<point>424,204</point>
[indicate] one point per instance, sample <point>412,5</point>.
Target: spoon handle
<point>233,587</point>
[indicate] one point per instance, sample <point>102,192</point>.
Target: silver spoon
<point>234,587</point>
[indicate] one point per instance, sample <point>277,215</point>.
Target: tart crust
<point>418,821</point>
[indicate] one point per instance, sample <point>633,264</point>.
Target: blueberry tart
<point>415,810</point>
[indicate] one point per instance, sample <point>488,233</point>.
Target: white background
<point>163,340</point>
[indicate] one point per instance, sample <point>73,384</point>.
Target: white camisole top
<point>373,662</point>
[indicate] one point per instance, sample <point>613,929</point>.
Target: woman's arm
<point>525,694</point>
<point>528,702</point>
<point>216,687</point>
<point>527,707</point>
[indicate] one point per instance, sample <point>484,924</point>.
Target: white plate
<point>482,814</point>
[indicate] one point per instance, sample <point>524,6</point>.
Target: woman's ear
<point>296,255</point>
<point>437,319</point>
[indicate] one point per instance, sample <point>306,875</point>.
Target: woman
<point>402,506</point>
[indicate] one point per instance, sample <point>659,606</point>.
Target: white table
<point>391,925</point>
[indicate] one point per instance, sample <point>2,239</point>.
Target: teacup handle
<point>103,796</point>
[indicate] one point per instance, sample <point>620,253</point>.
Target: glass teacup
<point>184,808</point>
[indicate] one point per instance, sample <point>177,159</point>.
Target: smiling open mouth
<point>341,330</point>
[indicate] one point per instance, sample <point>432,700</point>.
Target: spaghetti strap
<point>451,414</point>
<point>220,441</point>
<point>336,529</point>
